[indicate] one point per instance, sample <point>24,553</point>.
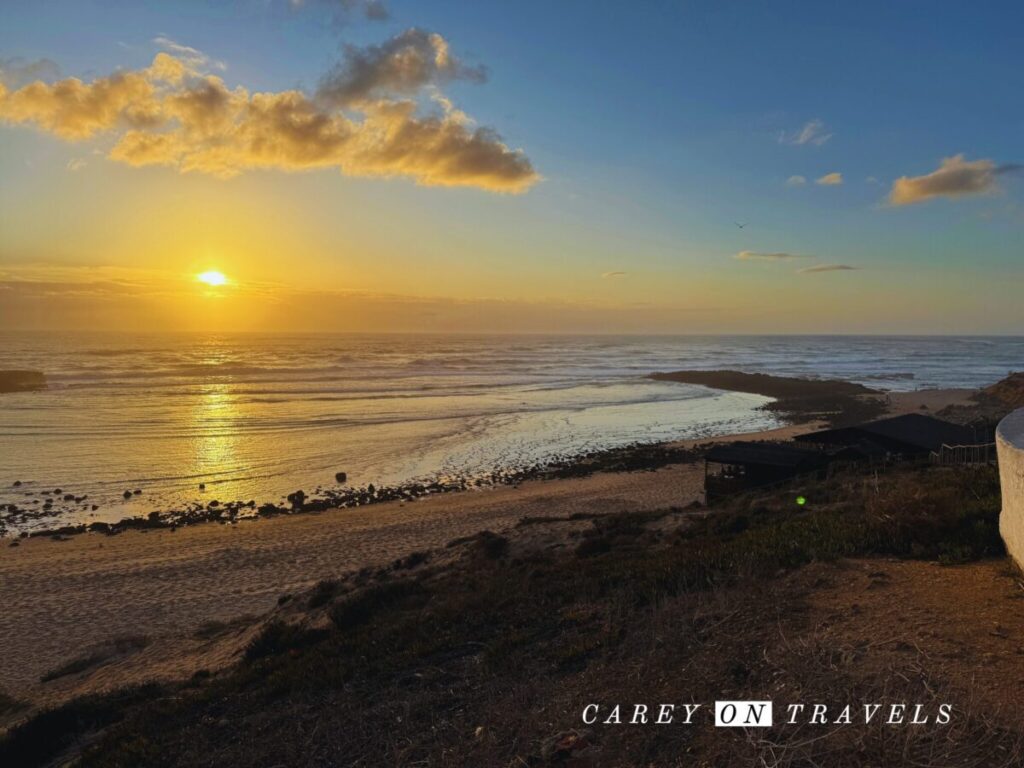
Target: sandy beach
<point>61,597</point>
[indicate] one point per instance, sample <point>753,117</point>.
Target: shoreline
<point>797,402</point>
<point>161,584</point>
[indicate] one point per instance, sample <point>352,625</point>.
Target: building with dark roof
<point>912,434</point>
<point>740,466</point>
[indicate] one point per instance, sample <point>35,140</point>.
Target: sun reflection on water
<point>215,419</point>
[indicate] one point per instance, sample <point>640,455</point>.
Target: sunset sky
<point>666,167</point>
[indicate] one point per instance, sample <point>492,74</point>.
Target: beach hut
<point>739,466</point>
<point>910,435</point>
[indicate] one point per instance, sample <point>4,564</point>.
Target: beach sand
<point>62,598</point>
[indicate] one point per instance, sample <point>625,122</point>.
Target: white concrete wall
<point>1010,446</point>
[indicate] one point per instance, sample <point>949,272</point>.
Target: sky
<point>593,167</point>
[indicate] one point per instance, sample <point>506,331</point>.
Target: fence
<point>955,455</point>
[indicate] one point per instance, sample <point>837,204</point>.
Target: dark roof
<point>770,455</point>
<point>864,449</point>
<point>914,430</point>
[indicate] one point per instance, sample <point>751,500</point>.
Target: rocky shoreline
<point>837,402</point>
<point>797,401</point>
<point>635,457</point>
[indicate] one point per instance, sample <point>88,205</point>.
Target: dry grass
<point>477,662</point>
<point>117,646</point>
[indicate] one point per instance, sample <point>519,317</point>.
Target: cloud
<point>611,275</point>
<point>76,164</point>
<point>812,132</point>
<point>190,57</point>
<point>15,72</point>
<point>403,66</point>
<point>173,114</point>
<point>830,179</point>
<point>372,10</point>
<point>75,110</point>
<point>796,181</point>
<point>51,296</point>
<point>827,268</point>
<point>955,177</point>
<point>756,256</point>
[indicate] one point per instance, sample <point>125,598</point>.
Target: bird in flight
<point>741,226</point>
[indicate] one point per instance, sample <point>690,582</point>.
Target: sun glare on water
<point>212,277</point>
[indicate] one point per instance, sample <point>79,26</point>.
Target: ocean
<point>258,417</point>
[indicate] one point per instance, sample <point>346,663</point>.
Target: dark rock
<point>22,381</point>
<point>340,477</point>
<point>127,494</point>
<point>17,483</point>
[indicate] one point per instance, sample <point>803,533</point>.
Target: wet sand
<point>60,597</point>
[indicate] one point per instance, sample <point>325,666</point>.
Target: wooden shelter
<point>912,434</point>
<point>739,466</point>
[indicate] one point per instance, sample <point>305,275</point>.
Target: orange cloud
<point>171,114</point>
<point>34,296</point>
<point>955,177</point>
<point>75,110</point>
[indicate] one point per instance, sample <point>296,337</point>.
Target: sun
<point>212,277</point>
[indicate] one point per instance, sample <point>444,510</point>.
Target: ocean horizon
<point>258,416</point>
